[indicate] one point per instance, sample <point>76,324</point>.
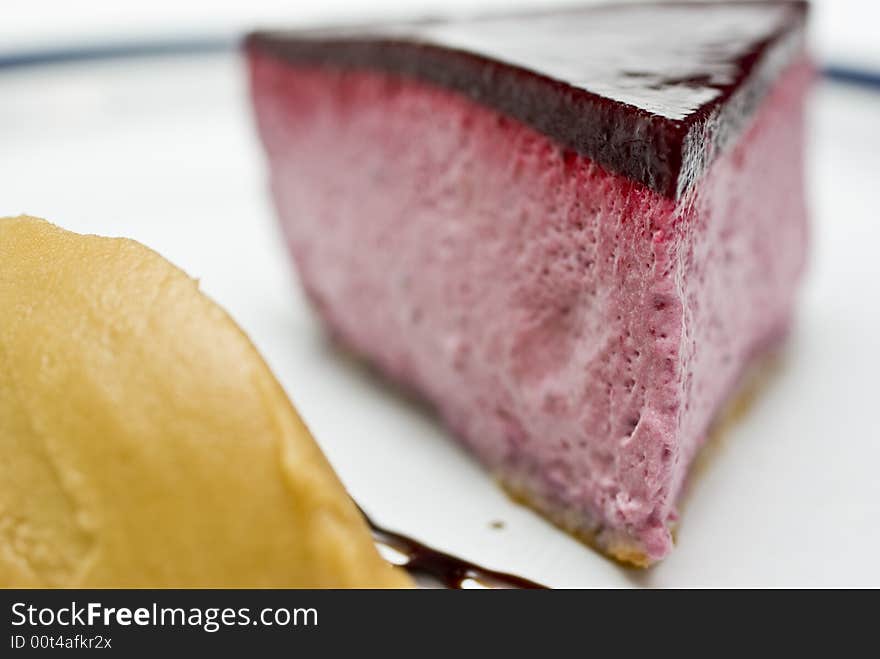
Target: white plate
<point>163,150</point>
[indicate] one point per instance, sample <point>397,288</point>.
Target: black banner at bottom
<point>385,623</point>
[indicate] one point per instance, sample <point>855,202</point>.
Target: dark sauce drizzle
<point>449,570</point>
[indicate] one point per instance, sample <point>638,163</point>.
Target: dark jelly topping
<point>650,91</point>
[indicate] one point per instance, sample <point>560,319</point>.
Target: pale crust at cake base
<point>614,544</point>
<point>618,545</point>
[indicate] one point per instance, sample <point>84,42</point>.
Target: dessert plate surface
<point>162,149</point>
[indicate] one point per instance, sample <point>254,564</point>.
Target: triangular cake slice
<point>571,231</point>
<point>145,442</point>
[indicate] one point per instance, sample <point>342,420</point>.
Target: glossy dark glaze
<point>650,91</point>
<point>449,570</point>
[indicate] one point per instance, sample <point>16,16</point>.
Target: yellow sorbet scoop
<point>143,440</point>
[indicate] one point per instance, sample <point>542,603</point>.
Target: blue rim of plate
<point>110,50</point>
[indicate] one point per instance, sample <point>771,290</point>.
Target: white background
<point>845,31</point>
<point>163,150</point>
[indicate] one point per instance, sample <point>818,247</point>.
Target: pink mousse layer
<point>576,330</point>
